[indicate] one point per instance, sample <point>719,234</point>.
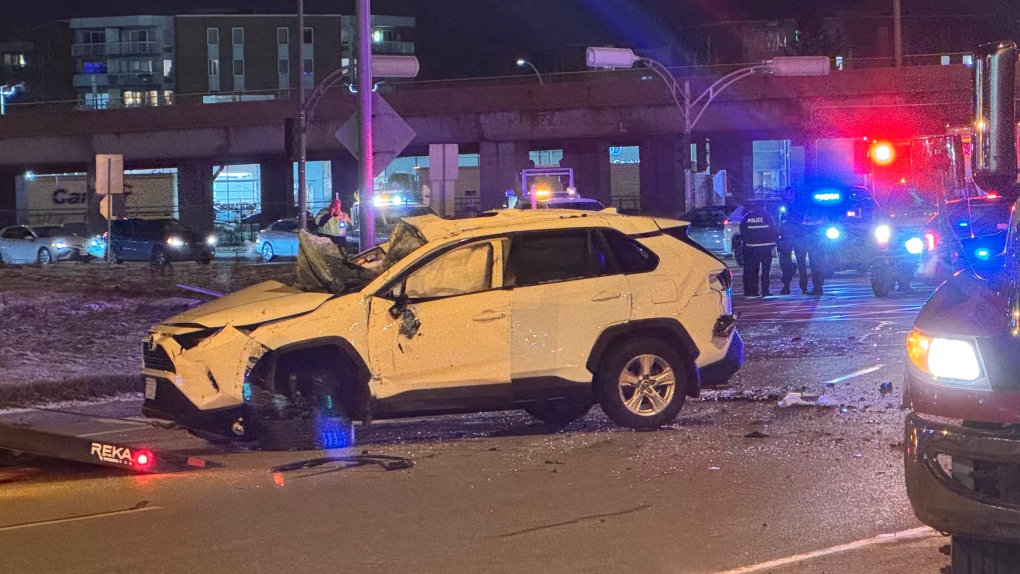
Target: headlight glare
<point>211,240</point>
<point>949,359</point>
<point>883,233</point>
<point>832,233</point>
<point>915,245</point>
<point>175,242</point>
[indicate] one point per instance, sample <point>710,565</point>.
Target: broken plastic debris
<point>885,387</point>
<point>713,468</point>
<point>797,399</point>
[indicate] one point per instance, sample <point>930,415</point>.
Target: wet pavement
<point>737,484</point>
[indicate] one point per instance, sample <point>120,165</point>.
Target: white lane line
<point>912,534</point>
<point>78,518</point>
<point>114,431</point>
<point>855,374</point>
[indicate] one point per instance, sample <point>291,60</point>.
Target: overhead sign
<point>390,134</point>
<point>109,174</point>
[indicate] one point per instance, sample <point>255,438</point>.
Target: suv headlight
<point>175,242</point>
<point>949,361</point>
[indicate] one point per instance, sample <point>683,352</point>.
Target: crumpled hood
<point>257,304</point>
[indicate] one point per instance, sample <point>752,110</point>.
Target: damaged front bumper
<point>718,373</point>
<point>960,501</point>
<point>202,385</point>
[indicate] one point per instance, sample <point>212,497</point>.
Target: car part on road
<point>387,462</point>
<point>637,384</point>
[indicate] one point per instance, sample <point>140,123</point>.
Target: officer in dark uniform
<point>759,232</point>
<point>793,242</point>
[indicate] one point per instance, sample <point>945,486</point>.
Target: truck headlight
<point>175,242</point>
<point>915,245</point>
<point>883,233</point>
<point>211,240</point>
<point>955,360</point>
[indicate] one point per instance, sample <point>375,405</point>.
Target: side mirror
<point>397,309</point>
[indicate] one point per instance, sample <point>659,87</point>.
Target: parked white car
<point>543,310</point>
<point>42,244</point>
<point>280,239</point>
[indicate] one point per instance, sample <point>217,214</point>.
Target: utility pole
<point>366,232</point>
<point>302,121</point>
<point>897,33</point>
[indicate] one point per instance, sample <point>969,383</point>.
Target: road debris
<point>885,388</point>
<point>800,399</point>
<point>756,434</point>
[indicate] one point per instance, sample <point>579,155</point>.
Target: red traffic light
<point>882,153</point>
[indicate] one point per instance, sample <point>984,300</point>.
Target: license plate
<point>150,388</point>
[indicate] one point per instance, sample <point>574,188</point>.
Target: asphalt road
<point>819,492</point>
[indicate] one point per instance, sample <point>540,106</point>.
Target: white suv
<point>547,311</point>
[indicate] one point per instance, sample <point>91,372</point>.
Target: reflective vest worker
<point>759,233</point>
<point>333,222</point>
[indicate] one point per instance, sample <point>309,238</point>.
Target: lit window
<point>152,98</point>
<point>168,97</point>
<point>132,98</point>
<point>214,67</point>
<point>945,60</point>
<point>839,62</point>
<point>968,60</point>
<point>168,69</point>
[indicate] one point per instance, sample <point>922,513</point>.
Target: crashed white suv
<point>546,311</point>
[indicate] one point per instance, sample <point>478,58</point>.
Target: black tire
<point>880,287</point>
<point>159,257</point>
<point>628,358</point>
<point>971,556</point>
<point>559,413</point>
<point>44,256</point>
<point>738,250</point>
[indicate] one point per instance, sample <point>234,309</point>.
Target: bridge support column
<point>344,173</point>
<point>590,162</point>
<point>277,190</point>
<point>500,166</point>
<point>8,197</point>
<point>662,175</point>
<point>735,154</point>
<point>195,194</point>
<point>701,145</point>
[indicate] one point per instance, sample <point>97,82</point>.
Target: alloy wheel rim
<point>267,252</point>
<point>646,385</point>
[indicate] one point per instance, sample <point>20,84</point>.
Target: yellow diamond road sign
<point>390,134</point>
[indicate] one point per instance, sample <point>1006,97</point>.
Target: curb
<point>77,389</point>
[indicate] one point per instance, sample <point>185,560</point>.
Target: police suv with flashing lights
<point>546,311</point>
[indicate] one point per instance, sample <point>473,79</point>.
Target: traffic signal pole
<point>302,123</point>
<point>366,232</point>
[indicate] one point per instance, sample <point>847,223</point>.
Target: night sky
<point>465,38</point>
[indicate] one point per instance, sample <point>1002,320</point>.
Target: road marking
<point>78,518</point>
<point>912,534</point>
<point>854,374</point>
<point>114,431</point>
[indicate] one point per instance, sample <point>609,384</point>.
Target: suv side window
<point>554,256</point>
<point>631,256</point>
<point>462,271</point>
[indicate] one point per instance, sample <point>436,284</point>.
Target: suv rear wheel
<point>642,384</point>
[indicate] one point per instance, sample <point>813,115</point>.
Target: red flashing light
<point>992,196</point>
<point>882,153</point>
<point>931,240</point>
<point>726,222</point>
<point>143,459</point>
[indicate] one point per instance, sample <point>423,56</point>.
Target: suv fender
<point>670,331</point>
<point>339,347</point>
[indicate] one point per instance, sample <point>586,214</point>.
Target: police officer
<point>759,232</point>
<point>793,242</point>
<point>333,222</point>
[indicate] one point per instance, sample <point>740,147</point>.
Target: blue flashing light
<point>828,196</point>
<point>963,224</point>
<point>334,432</point>
<point>983,254</point>
<point>832,233</point>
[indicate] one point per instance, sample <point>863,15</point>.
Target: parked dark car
<point>708,226</point>
<point>159,241</point>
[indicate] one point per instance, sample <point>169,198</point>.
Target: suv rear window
<point>554,256</point>
<point>631,256</point>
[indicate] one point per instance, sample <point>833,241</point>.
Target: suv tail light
<point>931,240</point>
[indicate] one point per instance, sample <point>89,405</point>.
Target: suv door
<point>564,294</point>
<point>447,348</point>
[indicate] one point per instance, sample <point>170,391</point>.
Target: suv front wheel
<point>642,384</point>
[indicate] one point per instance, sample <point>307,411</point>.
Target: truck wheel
<point>642,384</point>
<point>880,287</point>
<point>557,414</point>
<point>972,556</point>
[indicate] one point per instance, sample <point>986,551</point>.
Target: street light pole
<point>302,122</point>
<point>898,33</point>
<point>366,231</point>
<point>522,63</point>
<point>680,92</point>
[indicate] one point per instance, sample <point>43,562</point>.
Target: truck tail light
<point>931,240</point>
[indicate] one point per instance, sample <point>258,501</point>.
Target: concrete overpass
<point>503,122</point>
